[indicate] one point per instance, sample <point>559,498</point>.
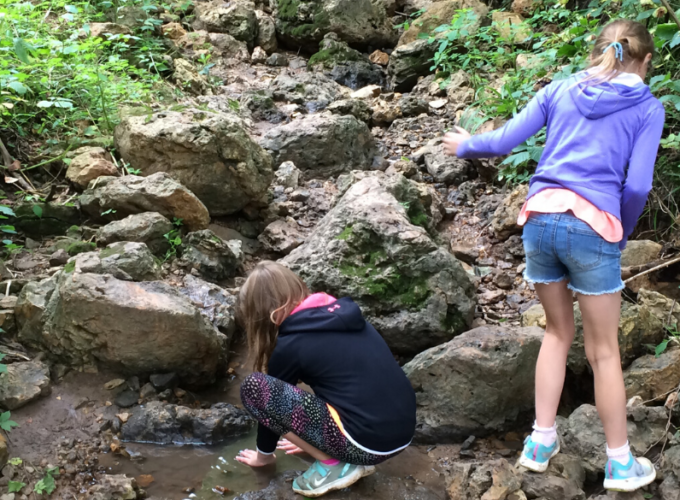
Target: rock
<point>266,32</point>
<point>133,195</point>
<point>259,56</point>
<point>114,384</point>
<point>262,106</point>
<point>147,392</point>
<point>53,219</point>
<point>287,175</point>
<point>640,252</point>
<point>88,164</point>
<point>511,26</point>
<point>160,423</point>
<point>126,399</point>
<point>281,237</point>
<point>313,90</point>
<point>360,23</point>
<point>4,451</point>
<point>660,306</point>
<point>359,109</point>
<point>113,487</point>
<point>582,434</point>
<point>638,327</point>
<point>479,383</point>
<point>225,49</point>
<point>372,246</point>
<point>326,144</point>
<point>210,255</point>
<point>24,382</point>
<point>218,306</point>
<point>548,486</point>
<point>105,30</point>
<point>210,153</point>
<point>124,260</point>
<point>173,31</point>
<point>670,488</point>
<point>445,168</point>
<point>526,7</point>
<point>277,59</point>
<point>138,328</point>
<point>407,168</point>
<point>163,381</point>
<point>59,258</point>
<point>385,112</point>
<point>442,12</point>
<point>147,227</point>
<point>412,106</point>
<point>187,77</point>
<point>671,459</point>
<point>237,19</point>
<point>78,247</point>
<point>504,221</point>
<point>344,65</point>
<point>408,62</point>
<point>652,377</point>
<point>379,57</point>
<point>367,92</point>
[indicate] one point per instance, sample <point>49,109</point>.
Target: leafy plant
<point>47,485</point>
<point>15,486</point>
<point>5,423</point>
<point>16,461</point>
<point>174,239</point>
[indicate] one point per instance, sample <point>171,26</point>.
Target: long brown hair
<point>268,296</point>
<point>635,41</point>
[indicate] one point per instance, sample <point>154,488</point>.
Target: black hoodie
<point>348,365</point>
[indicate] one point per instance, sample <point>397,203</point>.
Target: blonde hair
<point>268,296</point>
<point>606,62</point>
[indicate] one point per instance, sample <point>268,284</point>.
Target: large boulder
<point>147,227</point>
<point>651,376</point>
<point>45,218</point>
<point>361,23</point>
<point>210,153</point>
<point>325,144</point>
<point>216,304</point>
<point>315,91</point>
<point>118,197</point>
<point>409,62</point>
<point>441,13</point>
<point>638,328</point>
<point>171,424</point>
<point>125,260</point>
<point>372,246</point>
<point>138,328</point>
<point>237,19</point>
<point>479,383</point>
<point>23,383</point>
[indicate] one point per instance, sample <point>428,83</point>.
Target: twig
<point>656,268</point>
<point>668,424</point>
<point>671,12</point>
<point>670,313</point>
<point>6,158</point>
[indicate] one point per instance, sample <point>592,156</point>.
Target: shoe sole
<point>538,466</point>
<point>338,484</point>
<point>633,483</point>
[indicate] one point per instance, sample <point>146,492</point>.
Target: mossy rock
<point>45,219</point>
<point>80,247</point>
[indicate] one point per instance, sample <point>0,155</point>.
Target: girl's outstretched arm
<point>502,141</point>
<point>640,174</point>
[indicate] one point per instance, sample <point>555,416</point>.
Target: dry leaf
<point>10,180</point>
<point>16,165</point>
<point>221,490</point>
<point>144,480</point>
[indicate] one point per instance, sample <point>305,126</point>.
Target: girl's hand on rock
<point>453,140</point>
<point>289,447</point>
<point>255,458</point>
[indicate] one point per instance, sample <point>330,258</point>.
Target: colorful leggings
<point>284,408</point>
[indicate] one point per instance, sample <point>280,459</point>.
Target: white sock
<point>544,435</point>
<point>621,455</point>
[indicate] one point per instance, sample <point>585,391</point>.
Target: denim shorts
<point>561,246</point>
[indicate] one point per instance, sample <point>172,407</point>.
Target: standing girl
<point>363,410</point>
<point>590,187</point>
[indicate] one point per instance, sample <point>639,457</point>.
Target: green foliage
<point>174,239</point>
<point>80,247</point>
<point>38,211</point>
<point>15,486</point>
<point>345,234</point>
<point>16,461</point>
<point>5,423</point>
<point>47,485</point>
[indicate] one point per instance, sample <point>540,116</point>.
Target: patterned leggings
<point>284,408</point>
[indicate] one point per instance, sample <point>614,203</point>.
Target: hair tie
<point>618,48</point>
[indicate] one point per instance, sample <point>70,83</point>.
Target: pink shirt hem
<point>315,300</point>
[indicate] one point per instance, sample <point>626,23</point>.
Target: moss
<point>454,322</point>
<point>288,9</point>
<point>109,251</point>
<point>79,247</point>
<point>331,56</point>
<point>346,233</point>
<point>70,267</point>
<point>293,26</point>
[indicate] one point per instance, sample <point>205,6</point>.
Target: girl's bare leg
<point>314,452</point>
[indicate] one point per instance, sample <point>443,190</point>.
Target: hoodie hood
<point>597,101</point>
<point>343,315</point>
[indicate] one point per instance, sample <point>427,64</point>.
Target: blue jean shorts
<point>562,247</point>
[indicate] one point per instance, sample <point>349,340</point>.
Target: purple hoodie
<point>602,142</point>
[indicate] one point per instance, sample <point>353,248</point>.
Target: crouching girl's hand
<point>255,458</point>
<point>289,447</point>
<point>453,140</point>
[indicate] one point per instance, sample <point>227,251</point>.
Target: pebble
<point>468,442</point>
<point>126,399</point>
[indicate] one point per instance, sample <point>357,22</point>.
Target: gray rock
<point>262,107</point>
<point>640,252</point>
<point>345,65</point>
<point>670,488</point>
<point>582,433</point>
<point>372,246</point>
<point>408,62</point>
<point>187,77</point>
<point>24,382</point>
<point>126,399</point>
<point>212,154</point>
<point>441,12</point>
<point>652,377</point>
<point>325,144</point>
<point>215,303</point>
<point>138,328</point>
<point>118,197</point>
<point>162,381</point>
<point>476,384</point>
<point>671,460</point>
<point>287,175</point>
<point>59,258</point>
<point>113,487</point>
<point>413,106</point>
<point>277,59</point>
<point>504,221</point>
<point>166,424</point>
<point>147,227</point>
<point>357,108</point>
<point>663,308</point>
<point>445,168</point>
<point>54,218</point>
<point>266,32</point>
<point>88,164</point>
<point>147,392</point>
<point>315,91</point>
<point>130,261</point>
<point>238,19</point>
<point>281,237</point>
<point>210,255</point>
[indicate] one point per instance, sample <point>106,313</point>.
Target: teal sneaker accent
<point>536,457</point>
<point>638,472</point>
<point>320,479</point>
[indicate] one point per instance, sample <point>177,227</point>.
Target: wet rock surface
<point>24,382</point>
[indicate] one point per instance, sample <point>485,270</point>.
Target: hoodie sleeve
<point>501,142</point>
<point>640,174</point>
<point>283,366</point>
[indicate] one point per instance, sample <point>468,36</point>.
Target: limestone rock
<point>281,237</point>
<point>373,247</point>
<point>259,56</point>
<point>511,26</point>
<point>379,57</point>
<point>358,109</point>
<point>173,31</point>
<point>166,424</point>
<point>266,32</point>
<point>113,487</point>
<point>325,144</point>
<point>88,165</point>
<point>125,260</point>
<point>526,7</point>
<point>277,59</point>
<point>287,175</point>
<point>187,77</point>
<point>262,107</point>
<point>133,195</point>
<point>315,91</point>
<point>212,154</point>
<point>670,488</point>
<point>504,222</point>
<point>640,252</point>
<point>408,62</point>
<point>445,168</point>
<point>650,377</point>
<point>147,227</point>
<point>225,49</point>
<point>237,19</point>
<point>476,384</point>
<point>367,92</point>
<point>345,65</point>
<point>664,309</point>
<point>24,382</point>
<point>215,303</point>
<point>105,30</point>
<point>137,328</point>
<point>439,13</point>
<point>210,255</point>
